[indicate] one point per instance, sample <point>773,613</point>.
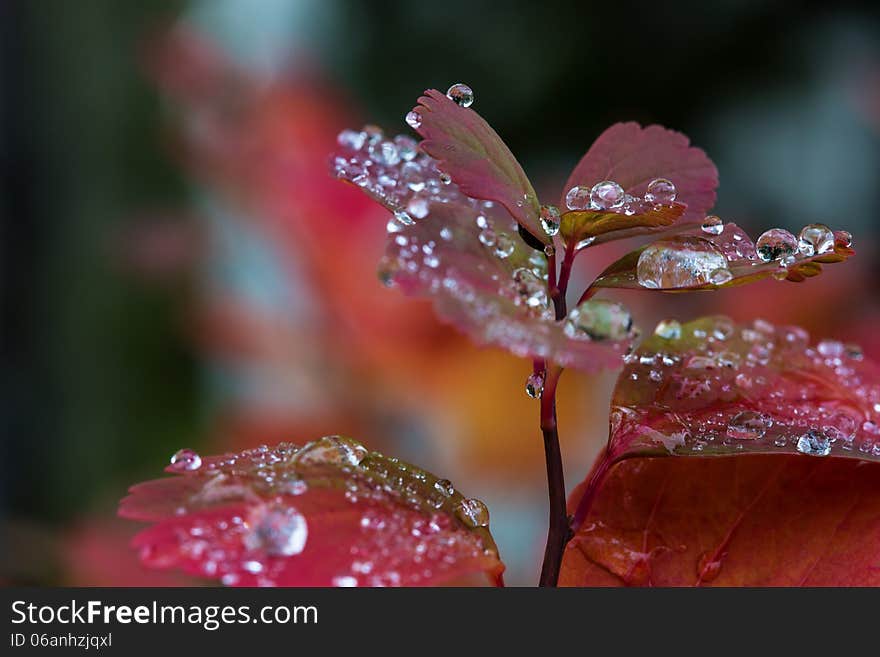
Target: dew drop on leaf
<point>668,329</point>
<point>186,460</point>
<point>814,443</point>
<point>720,276</point>
<point>713,225</point>
<point>660,190</point>
<point>776,244</point>
<point>578,198</point>
<point>679,262</point>
<point>445,487</point>
<point>598,319</point>
<point>279,530</point>
<point>815,239</point>
<point>607,195</point>
<point>748,425</point>
<point>461,94</point>
<point>473,513</point>
<point>332,450</point>
<point>843,238</point>
<point>414,120</point>
<point>504,245</point>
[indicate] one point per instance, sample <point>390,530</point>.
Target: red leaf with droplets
<point>472,153</point>
<point>739,259</point>
<point>791,497</point>
<point>328,514</point>
<point>633,156</point>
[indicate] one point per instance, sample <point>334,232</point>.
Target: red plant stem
<point>600,469</point>
<point>559,532</point>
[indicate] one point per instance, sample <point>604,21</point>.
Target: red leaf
<point>581,229</point>
<point>479,162</point>
<point>632,156</point>
<point>327,514</point>
<point>712,388</point>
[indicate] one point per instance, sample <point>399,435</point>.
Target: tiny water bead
<point>276,529</point>
<point>816,239</point>
<point>550,219</point>
<point>668,329</point>
<point>712,225</point>
<point>186,460</point>
<point>678,262</point>
<point>748,425</point>
<point>535,385</point>
<point>660,190</point>
<point>720,276</point>
<point>598,319</point>
<point>504,245</point>
<point>776,244</point>
<point>461,94</point>
<point>814,443</point>
<point>607,195</point>
<point>578,198</point>
<point>414,120</point>
<point>473,513</point>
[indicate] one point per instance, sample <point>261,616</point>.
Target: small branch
<point>559,532</point>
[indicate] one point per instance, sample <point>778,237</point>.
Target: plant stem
<point>559,532</point>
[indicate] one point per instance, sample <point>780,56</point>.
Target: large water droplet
<point>598,319</point>
<point>843,238</point>
<point>713,225</point>
<point>814,443</point>
<point>414,120</point>
<point>333,450</point>
<point>535,385</point>
<point>607,195</point>
<point>748,425</point>
<point>279,530</point>
<point>461,94</point>
<point>473,513</point>
<point>578,198</point>
<point>550,219</point>
<point>776,244</point>
<point>815,239</point>
<point>186,460</point>
<point>660,190</point>
<point>679,262</point>
<point>720,276</point>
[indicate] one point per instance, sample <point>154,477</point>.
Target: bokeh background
<point>178,269</point>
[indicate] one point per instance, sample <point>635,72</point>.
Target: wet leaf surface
<point>329,513</point>
<point>793,493</point>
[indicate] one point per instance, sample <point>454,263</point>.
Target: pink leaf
<point>328,514</point>
<point>472,153</point>
<point>632,156</point>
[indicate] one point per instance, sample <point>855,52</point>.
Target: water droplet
<point>550,219</point>
<point>414,120</point>
<point>446,234</point>
<point>473,513</point>
<point>660,190</point>
<point>713,225</point>
<point>598,319</point>
<point>535,385</point>
<point>607,195</point>
<point>461,94</point>
<point>668,329</point>
<point>504,246</point>
<point>843,238</point>
<point>418,207</point>
<point>487,237</point>
<point>578,198</point>
<point>333,450</point>
<point>387,270</point>
<point>776,244</point>
<point>814,443</point>
<point>530,290</point>
<point>445,178</point>
<point>720,276</point>
<point>679,262</point>
<point>445,487</point>
<point>748,425</point>
<point>549,250</point>
<point>830,348</point>
<point>345,581</point>
<point>279,530</point>
<point>403,217</point>
<point>351,139</point>
<point>815,239</point>
<point>186,460</point>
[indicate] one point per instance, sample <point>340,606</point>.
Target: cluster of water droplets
<point>712,256</point>
<point>412,529</point>
<point>713,386</point>
<point>609,196</point>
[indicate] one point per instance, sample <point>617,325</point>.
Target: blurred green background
<point>100,384</point>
